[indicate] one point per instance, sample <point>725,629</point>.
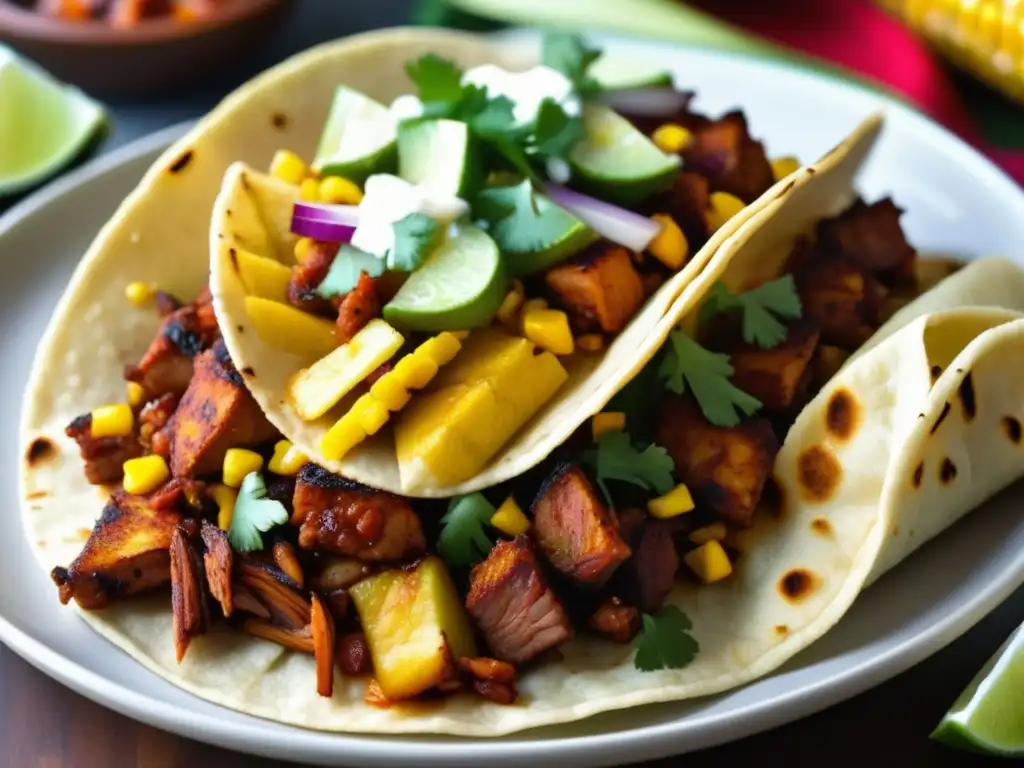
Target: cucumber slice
<point>460,287</point>
<point>359,139</point>
<point>614,73</point>
<point>440,155</point>
<point>616,162</point>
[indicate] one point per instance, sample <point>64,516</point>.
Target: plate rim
<point>641,742</point>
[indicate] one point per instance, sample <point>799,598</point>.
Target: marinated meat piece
<point>167,303</point>
<point>490,679</point>
<point>321,626</point>
<point>353,655</point>
<point>300,640</point>
<point>104,457</point>
<point>307,276</point>
<point>152,419</point>
<point>273,590</point>
<point>649,575</point>
<point>870,237</point>
<point>190,614</point>
<point>688,202</point>
<point>167,364</point>
<point>774,375</point>
<point>600,289</point>
<point>841,299</point>
<point>574,530</point>
<point>218,562</point>
<point>723,151</point>
<point>216,413</point>
<point>359,307</point>
<point>725,468</point>
<point>615,621</point>
<point>342,516</point>
<point>513,606</point>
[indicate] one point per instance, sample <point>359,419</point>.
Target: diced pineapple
<point>315,390</point>
<point>709,561</point>
<point>408,615</point>
<point>549,328</point>
<point>261,276</point>
<point>509,518</point>
<point>676,502</point>
<point>289,329</point>
<point>607,421</point>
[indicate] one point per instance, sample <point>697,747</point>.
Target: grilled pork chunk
<point>774,376</point>
<point>649,575</point>
<point>167,364</point>
<point>190,613</point>
<point>574,530</point>
<point>307,276</point>
<point>723,151</point>
<point>870,237</point>
<point>688,202</point>
<point>103,457</point>
<point>513,606</point>
<point>359,307</point>
<point>841,299</point>
<point>342,516</point>
<point>600,288</point>
<point>615,621</point>
<point>725,467</point>
<point>216,413</point>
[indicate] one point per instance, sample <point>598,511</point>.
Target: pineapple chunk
<point>315,390</point>
<point>476,403</point>
<point>290,330</point>
<point>407,616</point>
<point>262,277</point>
<point>709,561</point>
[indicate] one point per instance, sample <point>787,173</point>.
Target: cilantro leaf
<point>556,132</point>
<point>415,237</point>
<point>463,541</point>
<point>568,54</point>
<point>522,220</point>
<point>759,307</point>
<point>665,641</point>
<point>345,270</point>
<point>254,514</point>
<point>616,458</point>
<point>494,118</point>
<point>437,79</point>
<point>687,363</point>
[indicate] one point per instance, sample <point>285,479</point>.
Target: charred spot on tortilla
<point>947,473</point>
<point>818,473</point>
<point>240,328</point>
<point>781,630</point>
<point>248,371</point>
<point>918,474</point>
<point>821,526</point>
<point>279,120</point>
<point>1011,425</point>
<point>39,450</point>
<point>942,417</point>
<point>936,372</point>
<point>234,260</point>
<point>842,414</point>
<point>797,585</point>
<point>967,401</point>
<point>785,190</point>
<point>38,494</point>
<point>182,162</point>
<point>244,180</point>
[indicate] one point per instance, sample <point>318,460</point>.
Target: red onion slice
<point>648,102</point>
<point>327,223</point>
<point>343,214</point>
<point>617,224</point>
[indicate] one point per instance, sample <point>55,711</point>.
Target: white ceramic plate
<point>956,203</point>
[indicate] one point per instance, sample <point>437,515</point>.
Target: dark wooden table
<point>43,725</point>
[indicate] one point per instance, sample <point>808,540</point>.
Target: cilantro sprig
<point>570,55</point>
<point>345,270</point>
<point>665,641</point>
<point>759,306</point>
<point>464,541</point>
<point>687,364</point>
<point>254,514</point>
<point>617,458</point>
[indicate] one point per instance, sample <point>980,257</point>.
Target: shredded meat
<point>218,562</point>
<point>189,610</point>
<point>307,276</point>
<point>103,457</point>
<point>272,588</point>
<point>357,308</point>
<point>300,640</point>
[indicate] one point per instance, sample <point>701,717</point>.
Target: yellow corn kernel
<point>441,348</point>
<point>302,249</point>
<point>460,335</point>
<point>345,435</point>
<point>390,391</point>
<point>145,474</point>
<point>370,413</point>
<point>415,371</point>
<point>549,329</point>
<point>225,499</point>
<point>309,190</point>
<point>239,462</point>
<point>590,342</point>
<point>669,246</point>
<point>784,166</point>
<point>509,518</point>
<point>136,394</point>
<point>287,459</point>
<point>510,306</point>
<point>675,502</point>
<point>709,562</point>
<point>288,167</point>
<point>607,421</point>
<point>532,305</point>
<point>112,421</point>
<point>713,532</point>
<point>671,138</point>
<point>723,207</point>
<point>338,190</point>
<point>139,293</point>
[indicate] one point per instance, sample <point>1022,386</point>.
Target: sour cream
<point>526,90</point>
<point>406,108</point>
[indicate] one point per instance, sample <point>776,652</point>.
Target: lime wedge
<point>460,287</point>
<point>44,124</point>
<point>359,138</point>
<point>620,72</point>
<point>616,162</point>
<point>988,716</point>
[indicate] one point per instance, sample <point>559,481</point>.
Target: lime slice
<point>438,155</point>
<point>988,716</point>
<point>460,287</point>
<point>620,72</point>
<point>616,162</point>
<point>359,138</point>
<point>44,124</point>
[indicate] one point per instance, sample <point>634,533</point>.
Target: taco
<point>706,526</point>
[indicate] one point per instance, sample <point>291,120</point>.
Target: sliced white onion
<point>648,102</point>
<point>617,224</point>
<point>343,214</point>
